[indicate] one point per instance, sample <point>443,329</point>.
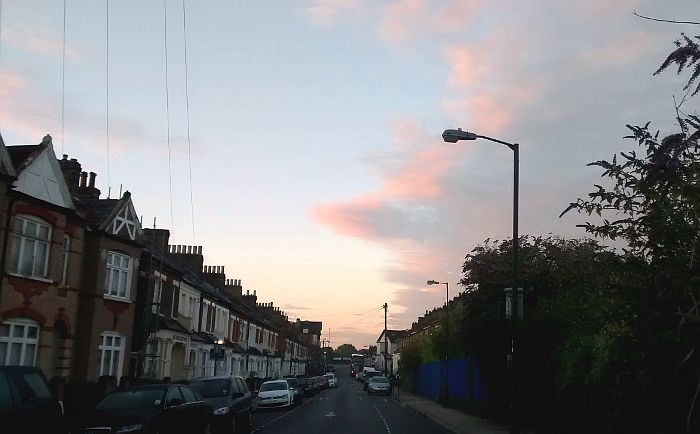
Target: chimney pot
<point>83,179</point>
<point>199,250</point>
<point>93,175</point>
<point>247,292</point>
<point>65,156</point>
<point>222,269</point>
<point>254,292</point>
<point>189,250</point>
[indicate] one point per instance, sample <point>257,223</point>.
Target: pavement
<point>347,409</point>
<point>454,420</point>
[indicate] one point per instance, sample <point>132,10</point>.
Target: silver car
<point>379,385</point>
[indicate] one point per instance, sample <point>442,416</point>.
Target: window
<point>174,397</point>
<point>118,277</point>
<point>188,394</point>
<point>65,259</point>
<point>157,292</point>
<point>19,340</point>
<point>111,354</point>
<point>30,246</point>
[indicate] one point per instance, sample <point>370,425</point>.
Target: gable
<point>43,179</point>
<point>125,223</point>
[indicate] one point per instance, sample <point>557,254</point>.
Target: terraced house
<point>88,295</point>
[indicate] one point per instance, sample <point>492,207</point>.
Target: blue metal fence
<point>465,380</point>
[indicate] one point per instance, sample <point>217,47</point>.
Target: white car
<point>275,393</point>
<point>332,381</point>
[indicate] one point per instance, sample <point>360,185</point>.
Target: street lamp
<point>453,136</point>
<point>446,392</point>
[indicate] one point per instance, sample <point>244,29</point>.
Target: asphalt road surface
<point>345,410</point>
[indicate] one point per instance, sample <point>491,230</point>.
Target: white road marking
<point>331,414</point>
<point>274,420</point>
<point>386,425</point>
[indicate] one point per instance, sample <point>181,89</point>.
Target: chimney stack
<point>93,175</point>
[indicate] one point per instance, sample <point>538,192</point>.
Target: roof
<point>97,210</point>
<point>392,335</point>
<point>22,155</point>
<point>6,166</point>
<point>254,351</point>
<point>313,326</point>
<point>171,324</point>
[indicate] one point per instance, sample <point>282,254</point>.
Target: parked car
<point>296,387</point>
<point>26,403</point>
<point>368,375</point>
<point>332,381</point>
<point>379,385</point>
<point>151,408</point>
<point>231,400</point>
<point>330,368</point>
<point>305,386</point>
<point>323,382</point>
<point>276,393</point>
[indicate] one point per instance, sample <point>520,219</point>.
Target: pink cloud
<point>38,40</point>
<point>469,65</point>
<point>349,218</point>
<point>323,13</point>
<point>401,18</point>
<point>625,49</point>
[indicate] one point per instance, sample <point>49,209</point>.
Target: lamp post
<point>446,382</point>
<point>453,136</point>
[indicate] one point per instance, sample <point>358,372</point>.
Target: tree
<point>686,54</point>
<point>345,350</point>
<point>567,285</point>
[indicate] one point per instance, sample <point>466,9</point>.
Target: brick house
<point>112,249</point>
<point>41,265</point>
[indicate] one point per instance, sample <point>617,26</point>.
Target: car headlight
<point>130,428</point>
<point>221,411</point>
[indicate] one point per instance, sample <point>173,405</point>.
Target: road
<point>345,410</point>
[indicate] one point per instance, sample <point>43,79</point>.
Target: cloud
<point>324,13</point>
<point>40,40</point>
<point>406,20</point>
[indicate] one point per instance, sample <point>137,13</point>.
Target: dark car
<point>324,382</point>
<point>296,386</point>
<point>153,408</point>
<point>330,368</point>
<point>306,386</point>
<point>26,402</point>
<point>231,400</point>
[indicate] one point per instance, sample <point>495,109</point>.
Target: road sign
<point>509,303</point>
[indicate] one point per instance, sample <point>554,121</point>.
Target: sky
<point>299,142</point>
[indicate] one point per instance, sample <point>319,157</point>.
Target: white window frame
<point>20,241</point>
<point>157,293</point>
<point>122,272</point>
<point>10,341</point>
<point>107,348</point>
<point>65,259</point>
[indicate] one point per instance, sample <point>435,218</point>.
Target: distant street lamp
<point>453,136</point>
<point>446,382</point>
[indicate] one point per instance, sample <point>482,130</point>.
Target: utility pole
<point>386,340</point>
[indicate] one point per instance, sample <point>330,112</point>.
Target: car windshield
<point>379,380</point>
<point>212,388</point>
<point>371,374</point>
<point>139,398</point>
<point>329,376</point>
<point>267,387</point>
